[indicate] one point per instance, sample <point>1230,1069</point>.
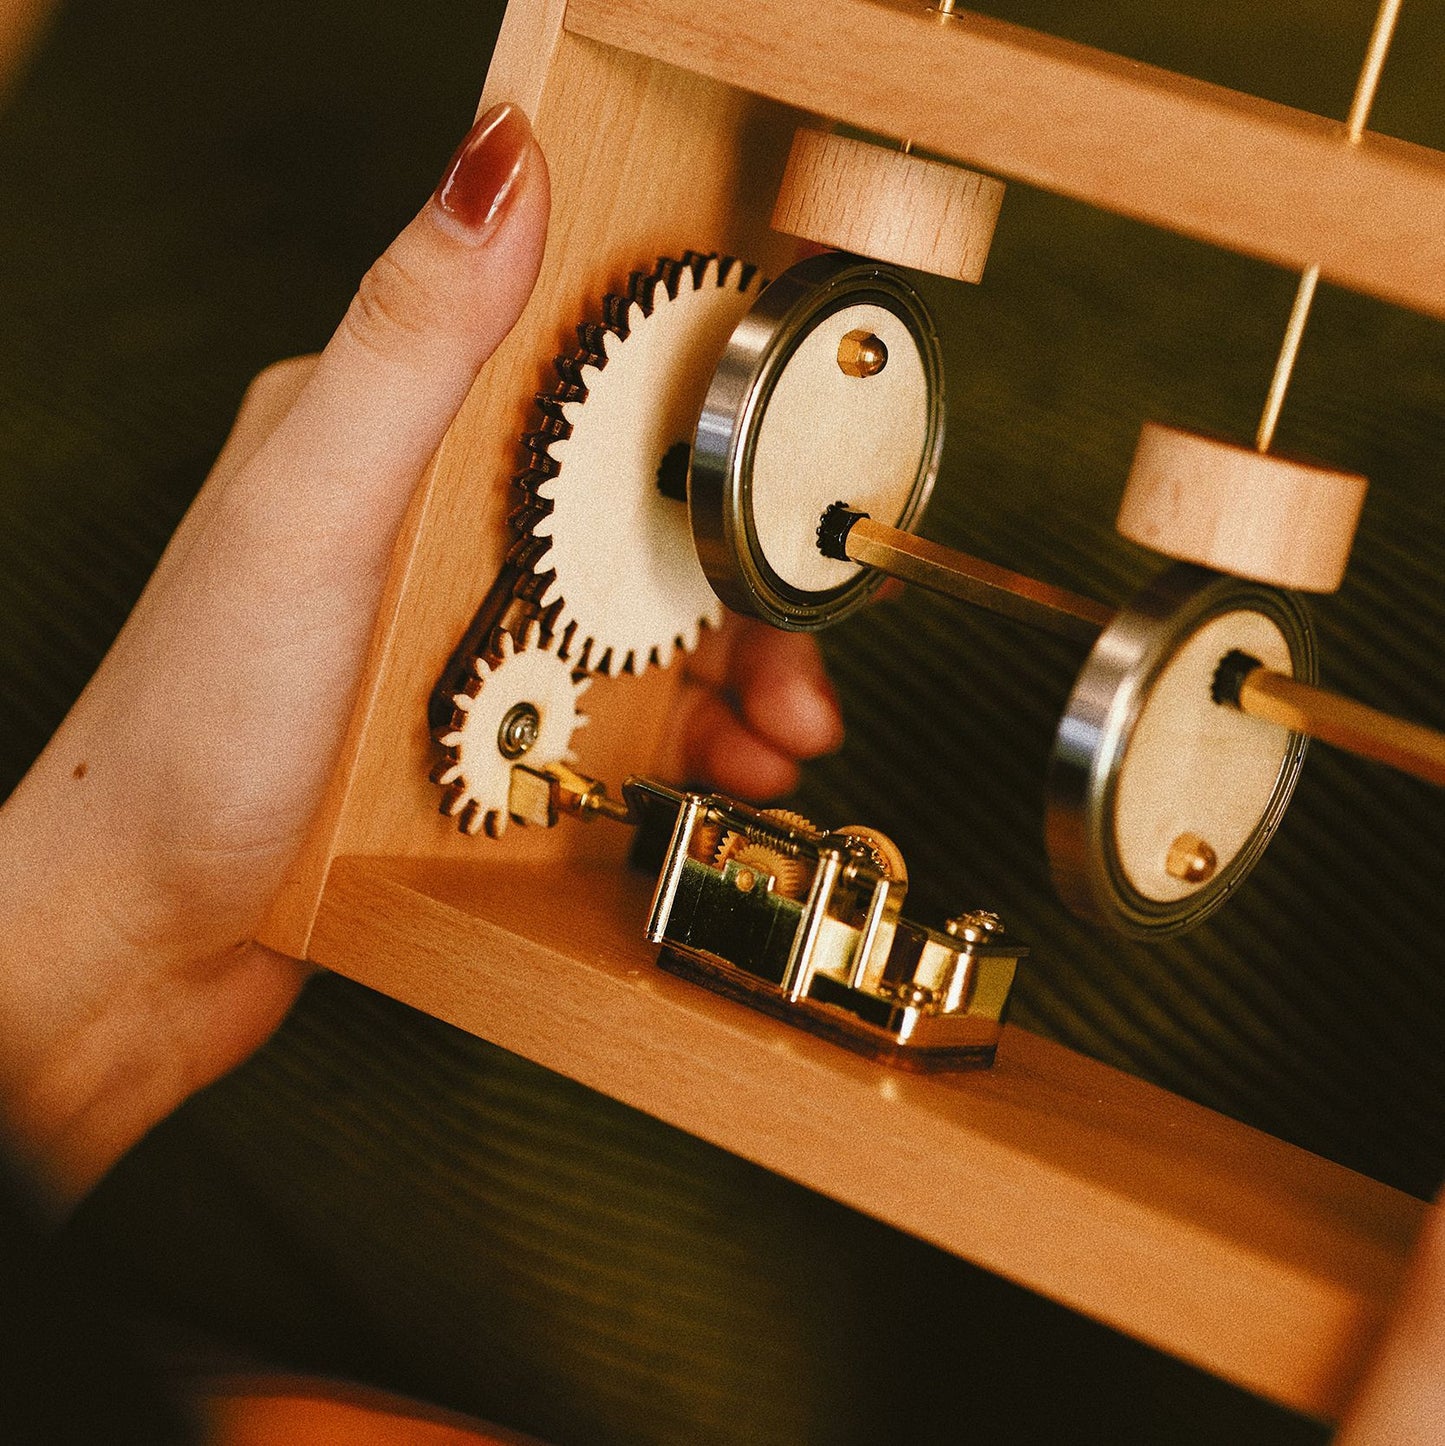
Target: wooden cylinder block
<point>888,205</point>
<point>1244,512</point>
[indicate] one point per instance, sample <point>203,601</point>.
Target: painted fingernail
<point>484,174</point>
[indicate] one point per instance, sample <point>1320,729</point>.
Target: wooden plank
<point>1254,1260</point>
<point>1243,173</point>
<point>645,161</point>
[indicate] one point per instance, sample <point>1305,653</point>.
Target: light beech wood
<point>666,127</point>
<point>1345,723</point>
<point>645,161</point>
<point>1256,177</point>
<point>1240,511</point>
<point>888,205</point>
<point>1194,768</point>
<point>1257,1261</point>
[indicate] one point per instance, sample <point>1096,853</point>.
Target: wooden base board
<point>1252,1259</point>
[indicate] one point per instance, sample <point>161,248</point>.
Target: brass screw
<point>1191,859</point>
<point>977,926</point>
<point>746,880</point>
<point>861,354</point>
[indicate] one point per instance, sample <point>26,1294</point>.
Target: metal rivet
<point>519,730</point>
<point>861,354</point>
<point>1191,859</point>
<point>746,880</point>
<point>975,927</point>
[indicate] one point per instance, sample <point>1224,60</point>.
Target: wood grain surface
<point>1248,174</point>
<point>1252,1259</point>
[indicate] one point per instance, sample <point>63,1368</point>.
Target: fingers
<point>235,672</point>
<point>784,693</point>
<point>720,750</point>
<point>761,701</point>
<point>268,399</point>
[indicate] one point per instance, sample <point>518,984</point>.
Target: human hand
<point>145,845</point>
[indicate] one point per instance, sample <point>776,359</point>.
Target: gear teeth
<point>697,263</point>
<point>642,288</point>
<point>670,274</point>
<point>553,408</point>
<point>526,515</point>
<point>530,521</point>
<point>569,371</point>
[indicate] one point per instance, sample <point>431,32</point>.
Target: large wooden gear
<point>603,537</point>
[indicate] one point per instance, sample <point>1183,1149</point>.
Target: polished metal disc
<point>831,389</point>
<point>1160,800</point>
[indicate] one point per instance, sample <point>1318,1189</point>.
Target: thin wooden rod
<point>1284,365</point>
<point>1364,99</point>
<point>1304,708</point>
<point>1260,692</point>
<point>1369,81</point>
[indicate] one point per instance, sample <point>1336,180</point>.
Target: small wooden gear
<point>520,702</point>
<point>1160,799</point>
<point>1241,511</point>
<point>887,203</point>
<point>832,385</point>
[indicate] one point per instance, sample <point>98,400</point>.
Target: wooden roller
<point>888,204</point>
<point>1241,511</point>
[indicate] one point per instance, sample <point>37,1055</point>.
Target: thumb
<point>427,315</point>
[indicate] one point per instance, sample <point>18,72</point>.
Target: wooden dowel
<point>1304,708</point>
<point>971,580</point>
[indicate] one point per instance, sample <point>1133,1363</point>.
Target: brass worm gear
<point>520,701</point>
<point>603,543</point>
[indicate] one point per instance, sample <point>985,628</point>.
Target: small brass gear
<point>603,546</point>
<point>878,849</point>
<point>791,875</point>
<point>520,701</point>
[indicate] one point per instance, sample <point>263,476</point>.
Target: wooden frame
<point>666,126</point>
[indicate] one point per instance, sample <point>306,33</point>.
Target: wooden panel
<point>1247,174</point>
<point>1261,1263</point>
<point>645,161</point>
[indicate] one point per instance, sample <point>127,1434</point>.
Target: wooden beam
<point>1242,173</point>
<point>1252,1259</point>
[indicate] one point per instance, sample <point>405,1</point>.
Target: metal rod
<point>971,580</point>
<point>1364,98</point>
<point>1265,694</point>
<point>1284,365</point>
<point>1369,81</point>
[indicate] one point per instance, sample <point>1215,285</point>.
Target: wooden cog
<point>603,552</point>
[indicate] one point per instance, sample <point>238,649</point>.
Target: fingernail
<point>484,173</point>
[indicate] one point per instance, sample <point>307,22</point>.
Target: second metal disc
<point>1160,800</point>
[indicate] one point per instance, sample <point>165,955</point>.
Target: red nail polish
<point>484,173</point>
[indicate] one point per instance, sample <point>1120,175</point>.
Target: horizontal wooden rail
<point>1256,1261</point>
<point>1242,173</point>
